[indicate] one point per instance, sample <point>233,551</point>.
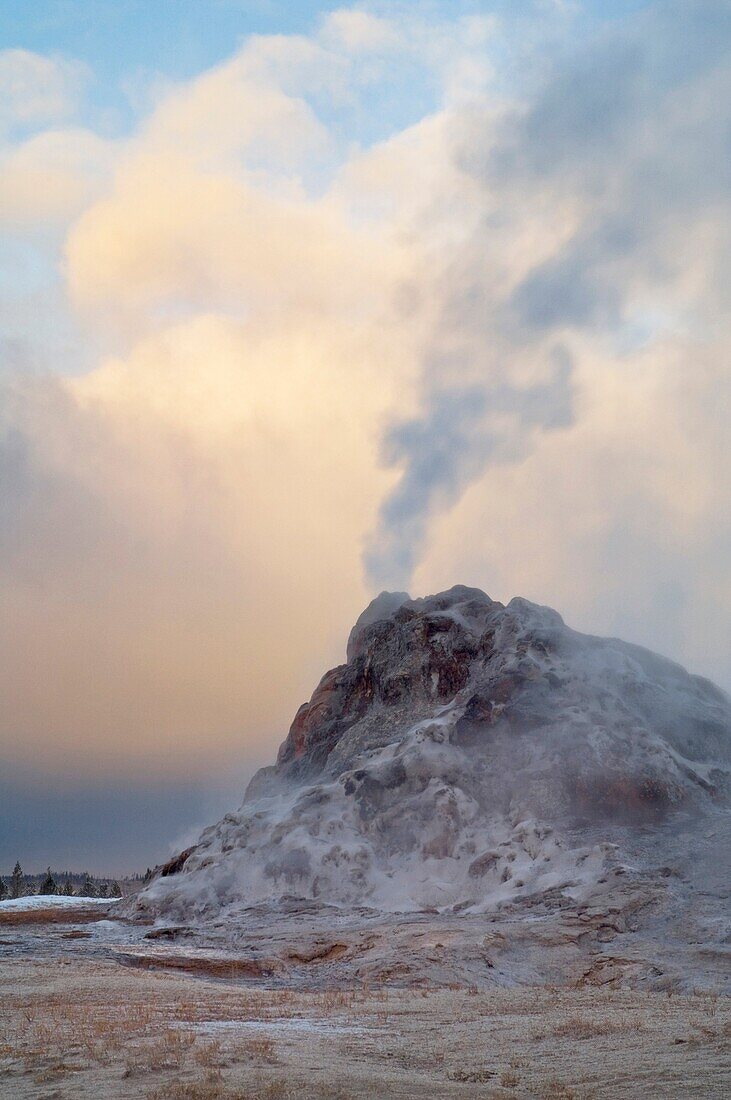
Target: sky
<point>302,301</point>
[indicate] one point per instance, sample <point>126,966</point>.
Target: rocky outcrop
<point>619,732</point>
<point>403,661</point>
<point>470,758</point>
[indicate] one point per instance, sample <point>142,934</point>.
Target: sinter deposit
<point>484,766</point>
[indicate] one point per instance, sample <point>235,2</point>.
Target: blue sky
<point>128,43</point>
<point>181,37</point>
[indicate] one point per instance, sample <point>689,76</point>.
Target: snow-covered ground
<point>51,901</point>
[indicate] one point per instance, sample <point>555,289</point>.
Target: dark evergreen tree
<point>116,891</point>
<point>68,890</point>
<point>103,890</point>
<point>3,889</point>
<point>48,886</point>
<point>88,889</point>
<point>16,881</point>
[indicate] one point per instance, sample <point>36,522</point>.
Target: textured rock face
<point>410,660</point>
<point>616,730</point>
<point>471,756</point>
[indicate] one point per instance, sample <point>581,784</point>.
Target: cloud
<point>51,178</point>
<point>35,89</point>
<point>212,206</point>
<point>163,552</point>
<point>485,345</point>
<point>357,30</point>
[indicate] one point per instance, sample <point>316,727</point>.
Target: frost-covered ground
<point>87,1029</point>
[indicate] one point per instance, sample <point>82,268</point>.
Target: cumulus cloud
<point>51,178</point>
<point>164,549</point>
<point>360,31</point>
<point>485,346</point>
<point>35,89</point>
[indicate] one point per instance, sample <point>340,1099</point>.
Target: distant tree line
<point>65,883</point>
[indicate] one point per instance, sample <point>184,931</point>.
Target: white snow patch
<point>299,1025</point>
<point>51,901</point>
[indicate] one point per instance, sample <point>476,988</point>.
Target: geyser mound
<point>472,757</point>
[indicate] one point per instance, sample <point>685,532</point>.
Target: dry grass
<point>582,1027</point>
<point>553,1089</point>
<point>167,1050</point>
<point>261,1050</point>
<point>209,1055</point>
<point>203,1089</point>
<point>100,1030</point>
<point>331,999</point>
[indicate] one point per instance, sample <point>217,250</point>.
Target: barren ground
<point>76,1025</point>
